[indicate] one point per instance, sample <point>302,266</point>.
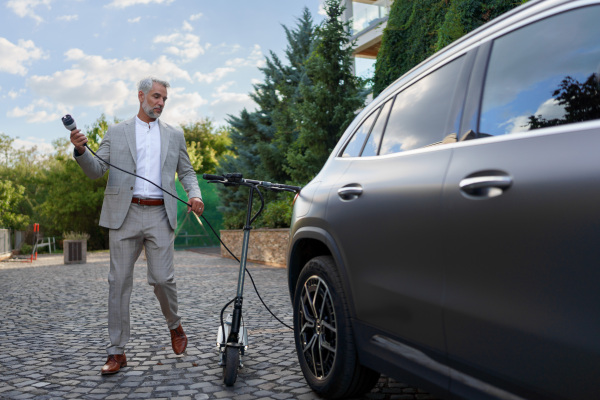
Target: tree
<point>330,93</point>
<point>260,139</point>
<point>417,29</point>
<point>10,196</point>
<point>6,149</point>
<point>464,16</point>
<point>205,145</point>
<point>21,168</point>
<point>72,201</point>
<point>409,37</point>
<point>580,101</point>
<point>281,92</point>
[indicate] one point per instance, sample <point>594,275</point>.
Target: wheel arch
<point>310,242</point>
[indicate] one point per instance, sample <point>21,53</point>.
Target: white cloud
<point>13,94</point>
<point>128,3</point>
<point>184,45</point>
<point>216,75</point>
<point>31,142</point>
<point>25,8</point>
<point>228,49</point>
<point>181,107</point>
<point>38,111</point>
<point>195,16</point>
<point>13,58</point>
<point>223,96</point>
<point>68,18</point>
<point>134,20</point>
<point>187,26</point>
<point>93,81</point>
<point>98,67</point>
<point>322,8</point>
<point>255,59</point>
<point>550,109</point>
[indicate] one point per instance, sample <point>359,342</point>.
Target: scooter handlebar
<point>278,186</point>
<point>210,177</point>
<point>236,179</point>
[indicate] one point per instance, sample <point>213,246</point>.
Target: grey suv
<point>452,239</point>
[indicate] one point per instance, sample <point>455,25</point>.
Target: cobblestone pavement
<point>53,335</point>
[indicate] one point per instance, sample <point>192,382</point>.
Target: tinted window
<point>544,74</point>
<point>420,112</point>
<point>374,139</point>
<point>355,144</point>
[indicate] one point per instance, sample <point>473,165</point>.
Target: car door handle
<point>485,187</point>
<point>350,192</point>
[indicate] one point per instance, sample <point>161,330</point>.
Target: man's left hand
<point>197,206</point>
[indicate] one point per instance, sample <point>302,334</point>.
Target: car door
<point>384,210</point>
<point>522,208</point>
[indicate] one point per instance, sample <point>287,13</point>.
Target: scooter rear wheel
<point>232,362</point>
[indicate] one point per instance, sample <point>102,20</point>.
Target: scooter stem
<point>236,320</point>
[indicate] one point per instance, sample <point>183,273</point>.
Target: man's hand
<point>197,206</point>
<point>79,140</point>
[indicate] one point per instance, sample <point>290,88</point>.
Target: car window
<point>355,144</point>
<point>544,74</point>
<point>420,112</point>
<point>372,145</point>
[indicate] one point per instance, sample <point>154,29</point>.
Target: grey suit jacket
<point>118,147</point>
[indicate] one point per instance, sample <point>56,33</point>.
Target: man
<point>138,214</point>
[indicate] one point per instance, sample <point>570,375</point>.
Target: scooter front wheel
<point>232,362</point>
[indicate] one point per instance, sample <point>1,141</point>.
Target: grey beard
<point>149,111</point>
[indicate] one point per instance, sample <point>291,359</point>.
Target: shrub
<point>26,248</point>
<point>76,236</point>
<point>277,214</point>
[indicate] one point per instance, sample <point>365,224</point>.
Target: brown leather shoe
<point>114,363</point>
<point>178,340</point>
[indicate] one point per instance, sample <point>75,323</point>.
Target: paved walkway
<point>53,335</point>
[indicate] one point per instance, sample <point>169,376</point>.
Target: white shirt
<point>147,140</point>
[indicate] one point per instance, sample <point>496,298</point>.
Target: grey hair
<point>146,84</point>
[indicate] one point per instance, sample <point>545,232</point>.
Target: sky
<point>85,57</point>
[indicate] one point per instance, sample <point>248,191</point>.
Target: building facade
<point>368,19</point>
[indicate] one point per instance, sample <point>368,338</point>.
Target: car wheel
<point>323,334</point>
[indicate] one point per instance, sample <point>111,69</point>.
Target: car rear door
<point>522,205</point>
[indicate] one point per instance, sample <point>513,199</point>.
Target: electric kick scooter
<point>232,336</point>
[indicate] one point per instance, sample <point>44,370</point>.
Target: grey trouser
<point>146,226</point>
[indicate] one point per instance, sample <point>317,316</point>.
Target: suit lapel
<point>130,136</point>
<point>164,142</point>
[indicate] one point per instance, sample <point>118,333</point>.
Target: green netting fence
<point>194,232</point>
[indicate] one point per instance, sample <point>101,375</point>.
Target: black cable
<point>262,301</point>
<point>221,319</point>
<point>212,229</point>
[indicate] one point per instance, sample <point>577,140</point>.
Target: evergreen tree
<point>245,160</point>
<point>260,139</point>
<point>288,85</point>
<point>330,93</point>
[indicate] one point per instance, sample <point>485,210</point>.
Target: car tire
<point>323,334</point>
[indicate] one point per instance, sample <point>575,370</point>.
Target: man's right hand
<point>79,140</point>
